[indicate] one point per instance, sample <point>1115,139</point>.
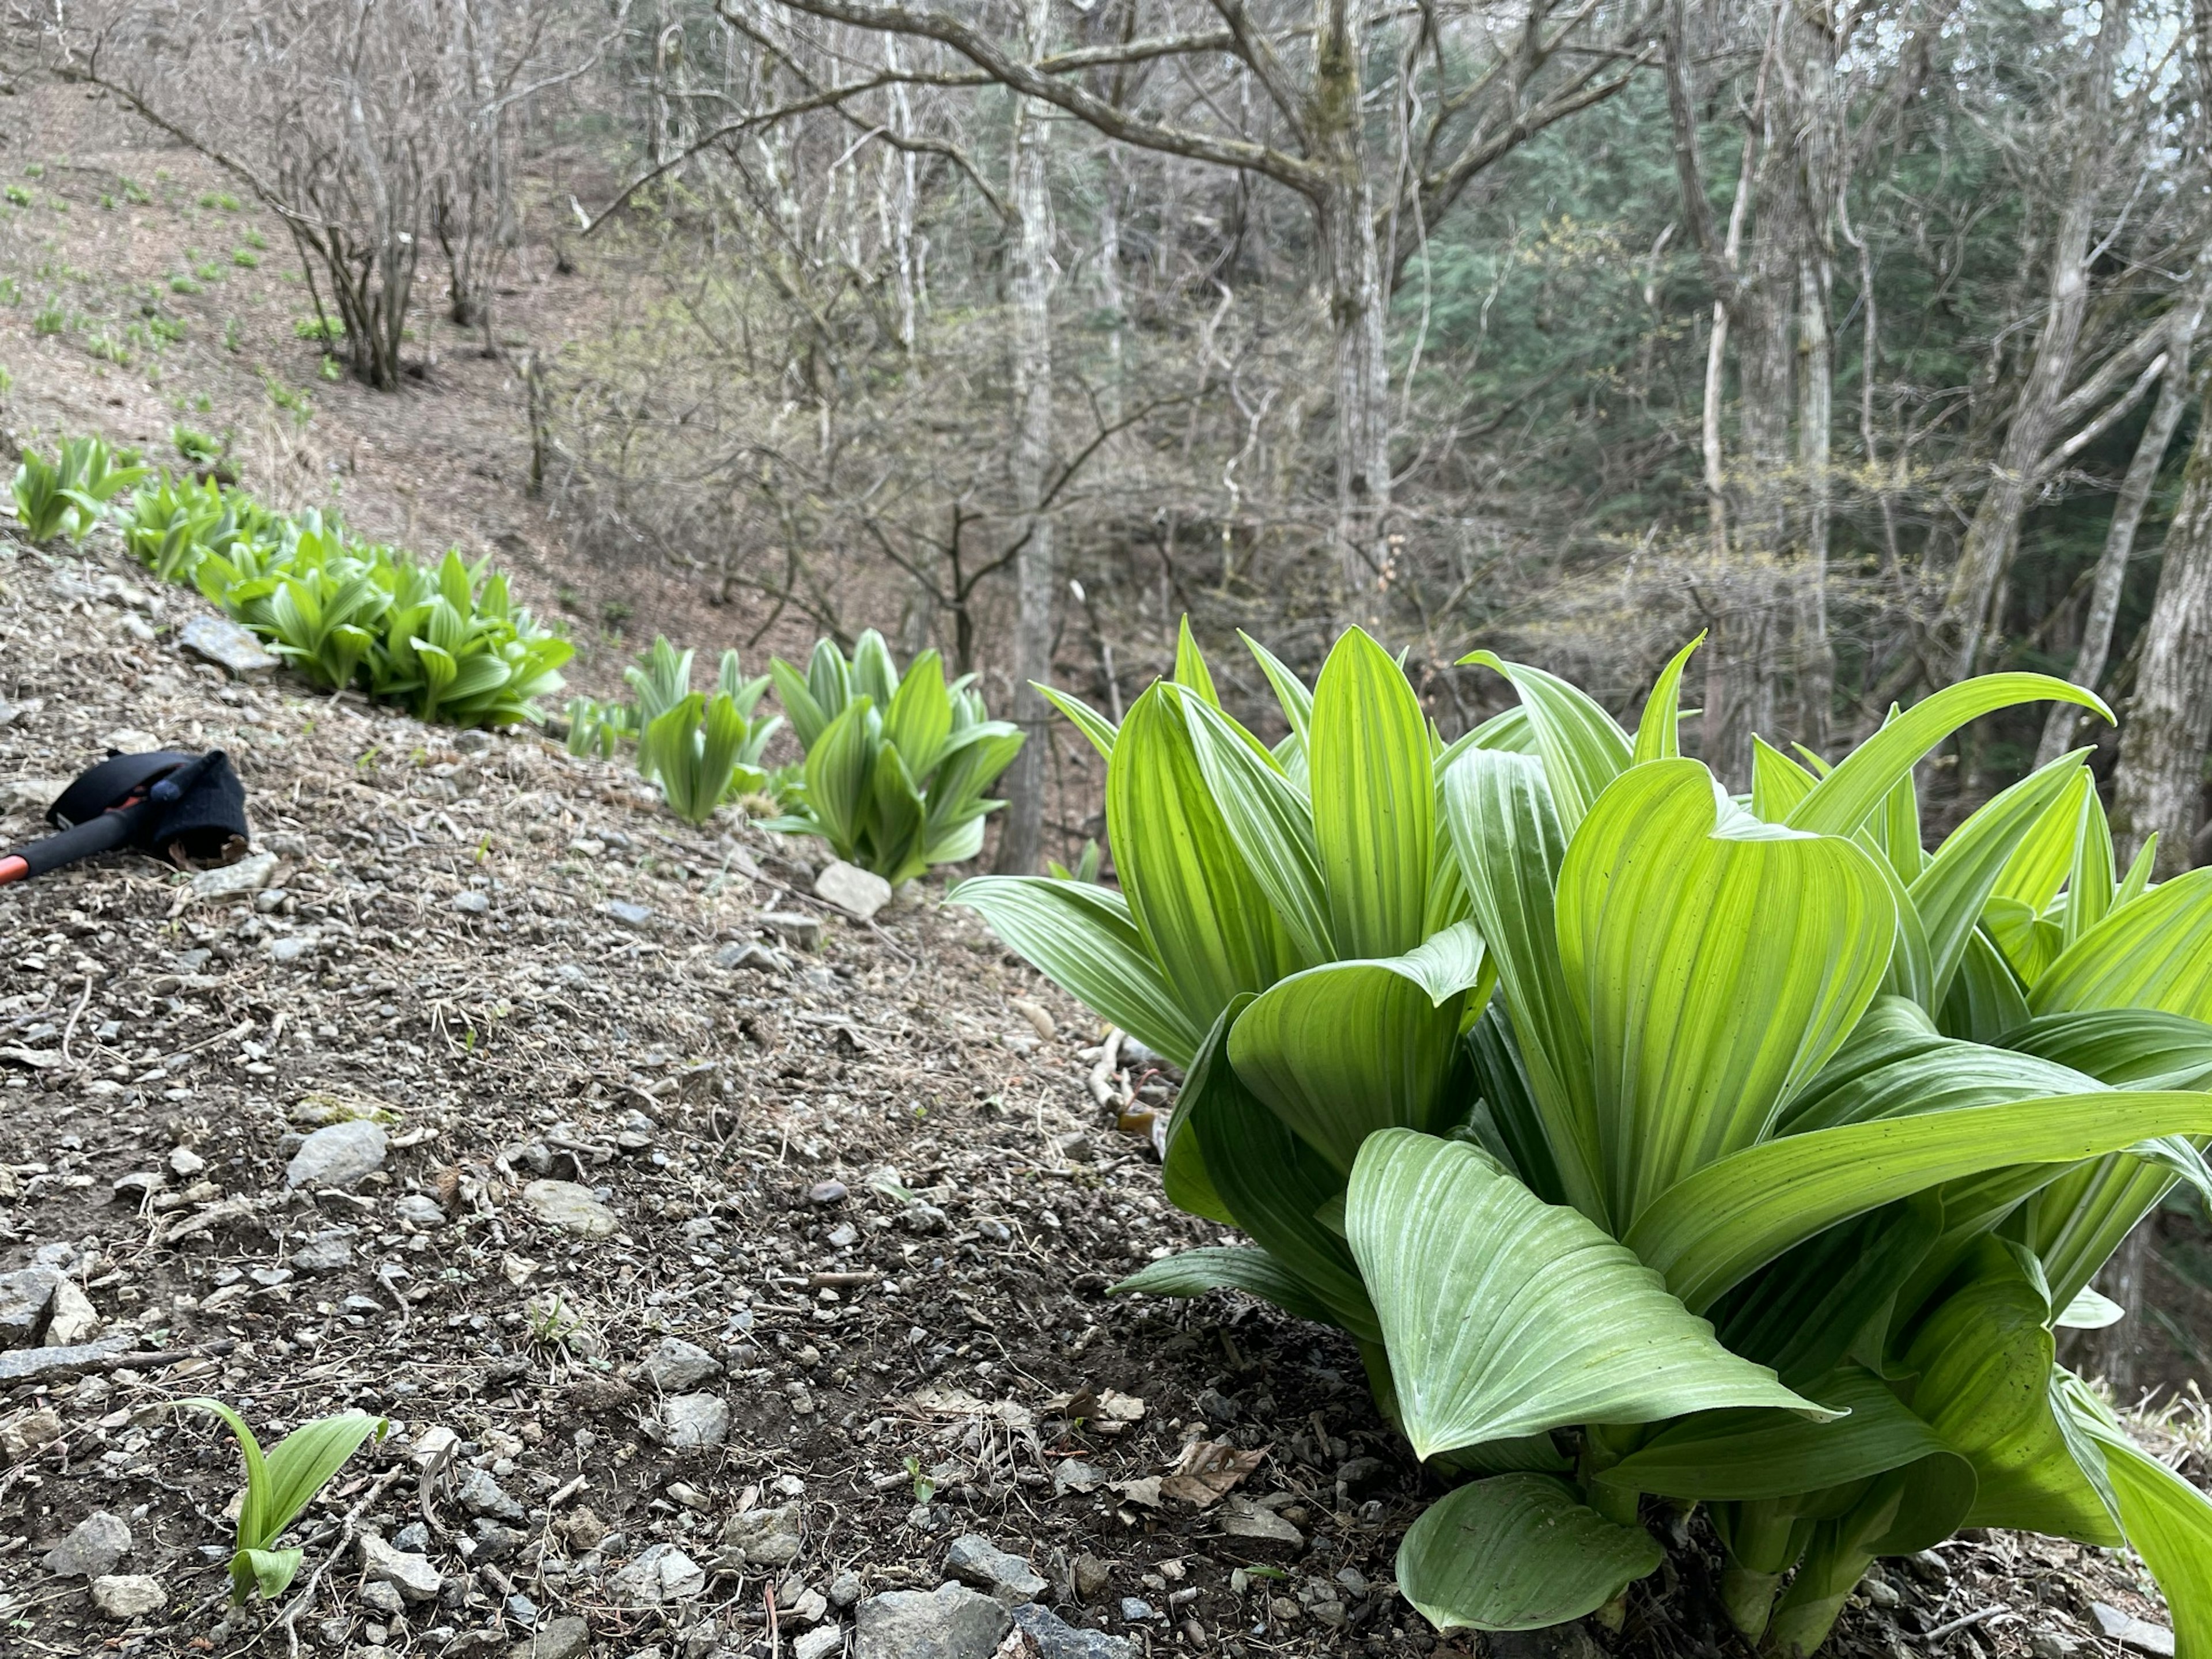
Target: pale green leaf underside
<point>2169,1522</point>
<point>1504,1315</point>
<point>1517,1553</point>
<point>1232,1267</point>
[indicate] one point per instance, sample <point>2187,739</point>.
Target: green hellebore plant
<point>1762,1182</point>
<point>72,490</point>
<point>278,1486</point>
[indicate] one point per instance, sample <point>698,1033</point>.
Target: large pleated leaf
<point>1718,970</point>
<point>840,771</point>
<point>1765,1454</point>
<point>1708,1232</point>
<point>1190,670</point>
<point>1777,782</point>
<point>2155,953</point>
<point>1290,691</point>
<point>920,717</point>
<point>1986,1001</point>
<point>1227,1267</point>
<point>1658,733</point>
<point>1896,1064</point>
<point>1081,938</point>
<point>1194,899</point>
<point>1950,892</point>
<point>2167,1520</point>
<point>1507,839</point>
<point>1583,749</point>
<point>1841,802</point>
<point>1342,1050</point>
<point>1516,1552</point>
<point>1984,1358</point>
<point>1096,726</point>
<point>1804,1312</point>
<point>1270,822</point>
<point>2127,1048</point>
<point>1504,1315</point>
<point>1374,799</point>
<point>2039,866</point>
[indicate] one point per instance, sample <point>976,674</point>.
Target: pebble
<point>128,1595</point>
<point>556,1638</point>
<point>25,1297</point>
<point>974,1560</point>
<point>845,1589</point>
<point>818,1644</point>
<point>1051,1637</point>
<point>628,915</point>
<point>480,1494</point>
<point>412,1576</point>
<point>227,646</point>
<point>1136,1610</point>
<point>676,1365</point>
<point>826,1191</point>
<point>92,1549</point>
<point>695,1422</point>
<point>419,1210</point>
<point>2130,1631</point>
<point>660,1573</point>
<point>336,1155</point>
<point>249,875</point>
<point>752,954</point>
<point>795,927</point>
<point>951,1622</point>
<point>1091,1574</point>
<point>858,892</point>
<point>2050,1644</point>
<point>328,1251</point>
<point>763,1538</point>
<point>571,1208</point>
<point>471,903</point>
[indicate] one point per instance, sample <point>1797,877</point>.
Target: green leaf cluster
<point>278,1486</point>
<point>72,491</point>
<point>702,750</point>
<point>1654,1142</point>
<point>896,765</point>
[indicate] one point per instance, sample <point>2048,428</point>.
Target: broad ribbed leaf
<point>1896,1064</point>
<point>841,773</point>
<point>2155,953</point>
<point>875,677</point>
<point>253,1509</point>
<point>1718,970</point>
<point>1374,799</point>
<point>2127,1048</point>
<point>1841,801</point>
<point>2168,1521</point>
<point>1984,1358</point>
<point>1190,670</point>
<point>2039,866</point>
<point>2090,1310</point>
<point>1509,847</point>
<point>1777,782</point>
<point>1247,1268</point>
<point>1516,1552</point>
<point>2090,882</point>
<point>1707,1232</point>
<point>1295,1047</point>
<point>1582,749</point>
<point>1082,939</point>
<point>302,1463</point>
<point>920,717</point>
<point>1802,1313</point>
<point>1205,916</point>
<point>273,1570</point>
<point>1658,735</point>
<point>1985,999</point>
<point>1506,1315</point>
<point>807,717</point>
<point>1290,691</point>
<point>1270,822</point>
<point>1086,719</point>
<point>1767,1454</point>
<point>1950,892</point>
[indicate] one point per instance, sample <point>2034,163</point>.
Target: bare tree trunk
<point>2065,720</point>
<point>1816,654</point>
<point>1358,303</point>
<point>1021,842</point>
<point>1993,537</point>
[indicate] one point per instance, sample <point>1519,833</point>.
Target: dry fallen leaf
<point>1208,1471</point>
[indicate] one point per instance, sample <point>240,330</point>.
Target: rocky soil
<point>731,1271</point>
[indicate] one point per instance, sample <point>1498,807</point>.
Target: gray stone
<point>249,875</point>
<point>2050,1644</point>
<point>556,1638</point>
<point>128,1595</point>
<point>328,1251</point>
<point>1091,1577</point>
<point>695,1422</point>
<point>1136,1610</point>
<point>91,1551</point>
<point>26,1363</point>
<point>2130,1631</point>
<point>818,1644</point>
<point>412,1576</point>
<point>420,1210</point>
<point>951,1622</point>
<point>974,1560</point>
<point>1051,1637</point>
<point>336,1155</point>
<point>627,914</point>
<point>481,1495</point>
<point>660,1573</point>
<point>845,1589</point>
<point>763,1538</point>
<point>571,1208</point>
<point>676,1365</point>
<point>26,1297</point>
<point>1240,1517</point>
<point>226,644</point>
<point>753,955</point>
<point>795,927</point>
<point>853,890</point>
<point>471,903</point>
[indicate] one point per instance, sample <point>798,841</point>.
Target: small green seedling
<point>281,1484</point>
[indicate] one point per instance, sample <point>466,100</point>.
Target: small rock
<point>384,1600</point>
<point>763,1538</point>
<point>419,1210</point>
<point>826,1191</point>
<point>676,1365</point>
<point>480,1494</point>
<point>328,1251</point>
<point>951,1622</point>
<point>1091,1576</point>
<point>1883,1594</point>
<point>249,875</point>
<point>413,1538</point>
<point>21,1366</point>
<point>1361,1475</point>
<point>25,1297</point>
<point>1051,1637</point>
<point>845,1589</point>
<point>818,1644</point>
<point>695,1422</point>
<point>571,1208</point>
<point>1074,1475</point>
<point>1929,1567</point>
<point>795,927</point>
<point>628,915</point>
<point>973,1559</point>
<point>495,1542</point>
<point>336,1155</point>
<point>90,1551</point>
<point>2050,1644</point>
<point>412,1576</point>
<point>1240,1517</point>
<point>226,644</point>
<point>72,1319</point>
<point>2130,1631</point>
<point>128,1595</point>
<point>853,890</point>
<point>130,740</point>
<point>751,954</point>
<point>471,903</point>
<point>184,1162</point>
<point>556,1638</point>
<point>1135,1610</point>
<point>660,1573</point>
<point>1075,1148</point>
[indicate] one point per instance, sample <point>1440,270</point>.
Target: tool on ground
<point>190,808</point>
